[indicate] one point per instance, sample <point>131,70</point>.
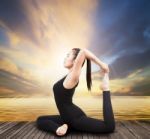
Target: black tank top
<point>63,98</point>
<point>63,95</point>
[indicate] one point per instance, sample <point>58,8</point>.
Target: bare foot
<point>105,82</point>
<point>62,130</point>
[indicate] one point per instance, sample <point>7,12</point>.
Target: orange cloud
<point>55,33</point>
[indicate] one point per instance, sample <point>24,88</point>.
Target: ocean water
<point>28,109</point>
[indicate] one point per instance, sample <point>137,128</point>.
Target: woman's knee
<point>39,120</point>
<point>111,128</point>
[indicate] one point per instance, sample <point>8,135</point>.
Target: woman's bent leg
<point>49,122</point>
<point>89,124</point>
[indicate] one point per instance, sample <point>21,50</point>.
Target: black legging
<point>83,123</point>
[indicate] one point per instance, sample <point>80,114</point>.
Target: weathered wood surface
<point>125,129</point>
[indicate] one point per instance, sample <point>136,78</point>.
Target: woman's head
<point>70,58</point>
<point>69,61</point>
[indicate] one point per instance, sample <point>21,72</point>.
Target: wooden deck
<point>125,129</point>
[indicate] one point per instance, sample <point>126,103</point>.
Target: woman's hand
<point>104,67</point>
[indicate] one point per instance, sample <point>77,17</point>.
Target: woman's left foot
<point>62,130</point>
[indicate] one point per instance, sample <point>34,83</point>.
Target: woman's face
<point>69,61</point>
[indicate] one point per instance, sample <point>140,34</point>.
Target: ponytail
<point>88,74</point>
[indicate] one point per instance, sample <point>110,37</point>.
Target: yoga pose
<point>71,116</point>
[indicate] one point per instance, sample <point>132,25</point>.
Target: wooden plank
<point>30,133</point>
<point>104,136</point>
<point>90,135</point>
<point>115,135</point>
<point>39,133</point>
<point>24,131</point>
<point>6,127</point>
<point>125,129</point>
<point>85,136</point>
<point>49,135</point>
<point>68,136</point>
<point>11,130</point>
<point>1,123</point>
<point>17,131</point>
<point>5,124</point>
<point>136,130</point>
<point>125,133</point>
<point>79,135</point>
<point>74,134</point>
<point>131,130</point>
<point>96,136</point>
<point>42,135</point>
<point>145,124</point>
<point>52,136</point>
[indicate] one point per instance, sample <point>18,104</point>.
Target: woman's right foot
<point>105,82</point>
<point>62,130</point>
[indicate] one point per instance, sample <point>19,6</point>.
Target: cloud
<point>146,34</point>
<point>15,86</point>
<point>119,26</point>
<point>14,18</point>
<point>36,39</point>
<point>129,63</point>
<point>41,23</point>
<point>46,30</point>
<point>136,84</point>
<point>36,35</point>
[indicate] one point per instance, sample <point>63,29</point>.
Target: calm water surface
<point>124,107</point>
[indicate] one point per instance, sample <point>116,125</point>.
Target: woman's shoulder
<point>70,82</point>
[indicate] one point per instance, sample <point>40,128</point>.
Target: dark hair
<point>88,69</point>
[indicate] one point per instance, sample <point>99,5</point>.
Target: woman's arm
<point>91,56</point>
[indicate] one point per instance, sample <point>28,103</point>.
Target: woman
<point>71,116</point>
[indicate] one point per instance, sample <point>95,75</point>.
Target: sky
<point>36,35</point>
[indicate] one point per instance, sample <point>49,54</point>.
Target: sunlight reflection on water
<point>28,109</point>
